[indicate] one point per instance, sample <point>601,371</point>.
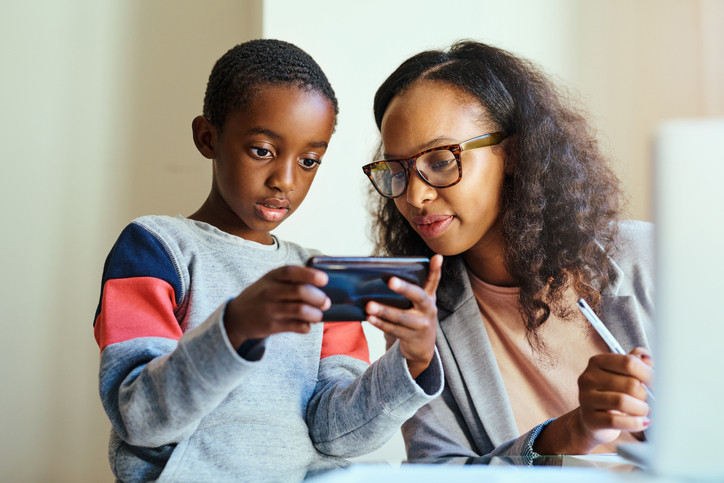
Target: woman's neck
<point>486,259</point>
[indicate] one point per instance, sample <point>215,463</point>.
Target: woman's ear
<point>205,136</point>
<point>507,147</point>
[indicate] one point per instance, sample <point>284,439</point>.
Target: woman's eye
<point>261,152</point>
<point>443,165</point>
<point>310,162</point>
<point>399,175</point>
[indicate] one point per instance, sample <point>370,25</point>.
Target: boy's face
<point>264,160</point>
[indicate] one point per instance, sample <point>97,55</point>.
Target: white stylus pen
<point>606,335</point>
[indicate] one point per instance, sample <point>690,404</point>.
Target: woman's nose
<point>418,191</point>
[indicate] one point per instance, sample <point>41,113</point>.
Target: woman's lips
<point>431,226</point>
<point>272,209</point>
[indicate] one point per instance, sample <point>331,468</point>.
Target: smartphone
<point>354,281</point>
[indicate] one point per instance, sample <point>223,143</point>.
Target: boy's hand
<point>416,327</point>
<point>284,300</point>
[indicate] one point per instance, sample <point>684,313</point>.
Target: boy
<point>211,373</point>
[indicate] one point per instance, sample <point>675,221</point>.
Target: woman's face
<point>467,215</point>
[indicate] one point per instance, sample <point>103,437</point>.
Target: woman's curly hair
<point>560,204</point>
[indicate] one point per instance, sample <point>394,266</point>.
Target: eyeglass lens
<point>439,168</point>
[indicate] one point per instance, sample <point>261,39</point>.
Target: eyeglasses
<point>439,167</point>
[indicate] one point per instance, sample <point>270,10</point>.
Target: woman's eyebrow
<point>438,141</point>
<point>318,144</point>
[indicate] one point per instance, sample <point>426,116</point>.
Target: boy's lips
<point>431,226</point>
<point>272,209</point>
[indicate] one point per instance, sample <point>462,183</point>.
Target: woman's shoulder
<point>635,230</point>
<point>633,257</point>
<point>634,238</point>
<point>634,242</point>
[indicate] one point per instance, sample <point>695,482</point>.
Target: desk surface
<point>591,469</point>
<point>608,468</point>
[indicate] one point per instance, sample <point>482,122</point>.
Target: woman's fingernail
<point>394,283</point>
<point>646,357</point>
<point>372,308</point>
<point>646,422</point>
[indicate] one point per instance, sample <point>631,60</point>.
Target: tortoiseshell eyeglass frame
<point>456,149</point>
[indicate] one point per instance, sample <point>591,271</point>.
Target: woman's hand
<point>284,300</point>
<point>416,327</point>
<point>612,399</point>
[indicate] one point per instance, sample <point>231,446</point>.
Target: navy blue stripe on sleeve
<point>137,253</point>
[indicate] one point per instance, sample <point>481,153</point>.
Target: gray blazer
<point>473,416</point>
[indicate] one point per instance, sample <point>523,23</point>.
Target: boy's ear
<point>205,136</point>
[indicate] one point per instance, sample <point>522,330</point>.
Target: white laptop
<point>687,427</point>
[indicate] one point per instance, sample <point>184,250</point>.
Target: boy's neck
<point>226,221</point>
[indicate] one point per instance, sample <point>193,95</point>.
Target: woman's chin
<point>445,246</point>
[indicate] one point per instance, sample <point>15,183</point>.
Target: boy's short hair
<point>238,74</point>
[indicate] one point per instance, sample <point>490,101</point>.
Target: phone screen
<point>354,281</point>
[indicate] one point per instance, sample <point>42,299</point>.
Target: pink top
<point>540,385</point>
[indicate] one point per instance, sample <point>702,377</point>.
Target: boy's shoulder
<point>157,233</point>
<point>146,232</point>
<point>161,224</point>
<point>298,251</point>
<point>181,231</point>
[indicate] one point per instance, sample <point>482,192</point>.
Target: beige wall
<point>97,100</point>
<point>171,52</point>
<point>638,63</point>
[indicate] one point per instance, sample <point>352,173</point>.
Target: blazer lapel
<point>464,331</point>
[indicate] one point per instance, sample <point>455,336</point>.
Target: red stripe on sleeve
<point>136,307</point>
<point>346,339</point>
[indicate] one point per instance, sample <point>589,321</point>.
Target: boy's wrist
<point>231,326</point>
<point>252,349</point>
<point>417,367</point>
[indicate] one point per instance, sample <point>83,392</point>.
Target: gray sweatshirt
<point>185,406</point>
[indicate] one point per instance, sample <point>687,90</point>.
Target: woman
<point>485,164</point>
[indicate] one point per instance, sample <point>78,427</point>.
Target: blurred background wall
<point>97,100</point>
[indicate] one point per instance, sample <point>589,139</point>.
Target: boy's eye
<point>261,152</point>
<point>310,162</point>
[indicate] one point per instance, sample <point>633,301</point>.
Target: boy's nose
<point>418,192</point>
<point>282,177</point>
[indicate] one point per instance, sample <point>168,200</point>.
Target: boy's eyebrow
<point>272,134</point>
<point>265,132</point>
